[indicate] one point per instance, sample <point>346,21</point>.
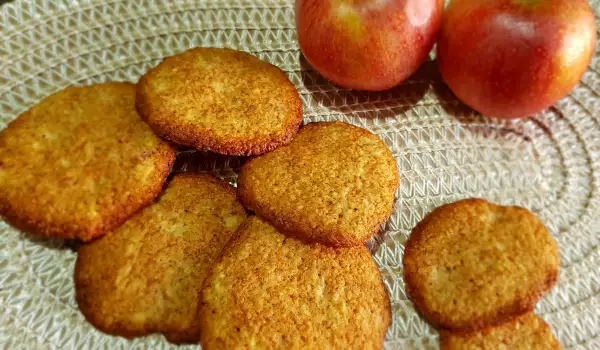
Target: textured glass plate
<point>549,163</point>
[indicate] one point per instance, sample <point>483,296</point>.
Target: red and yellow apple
<point>367,44</point>
<point>515,58</point>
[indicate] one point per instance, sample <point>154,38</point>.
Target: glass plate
<point>549,163</point>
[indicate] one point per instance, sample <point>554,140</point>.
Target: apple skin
<point>515,58</point>
<point>367,44</point>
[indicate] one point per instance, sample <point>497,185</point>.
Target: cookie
<point>473,264</point>
<point>146,276</point>
<point>269,291</point>
<point>221,100</point>
<point>333,184</point>
<point>80,163</point>
<point>524,333</point>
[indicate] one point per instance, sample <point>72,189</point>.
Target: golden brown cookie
<point>334,184</point>
<point>473,264</point>
<point>527,332</point>
<point>222,100</point>
<point>146,276</point>
<point>80,163</point>
<point>269,291</point>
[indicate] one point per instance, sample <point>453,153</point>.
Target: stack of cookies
<point>298,275</point>
<point>476,270</point>
<point>180,255</point>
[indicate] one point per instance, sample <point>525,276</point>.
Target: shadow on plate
<point>191,160</point>
<point>388,103</point>
<point>477,123</point>
<point>375,242</point>
<point>52,243</point>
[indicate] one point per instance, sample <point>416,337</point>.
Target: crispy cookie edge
<point>164,160</point>
<point>204,142</point>
<point>410,260</point>
<point>287,224</point>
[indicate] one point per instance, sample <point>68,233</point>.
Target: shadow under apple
<point>369,104</point>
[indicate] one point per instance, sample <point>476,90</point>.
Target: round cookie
<point>80,163</point>
<point>221,100</point>
<point>333,184</point>
<point>524,333</point>
<point>146,276</point>
<point>269,291</point>
<point>473,264</point>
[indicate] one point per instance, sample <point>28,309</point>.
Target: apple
<point>515,58</point>
<point>367,44</point>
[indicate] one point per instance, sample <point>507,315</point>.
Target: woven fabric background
<point>549,163</point>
